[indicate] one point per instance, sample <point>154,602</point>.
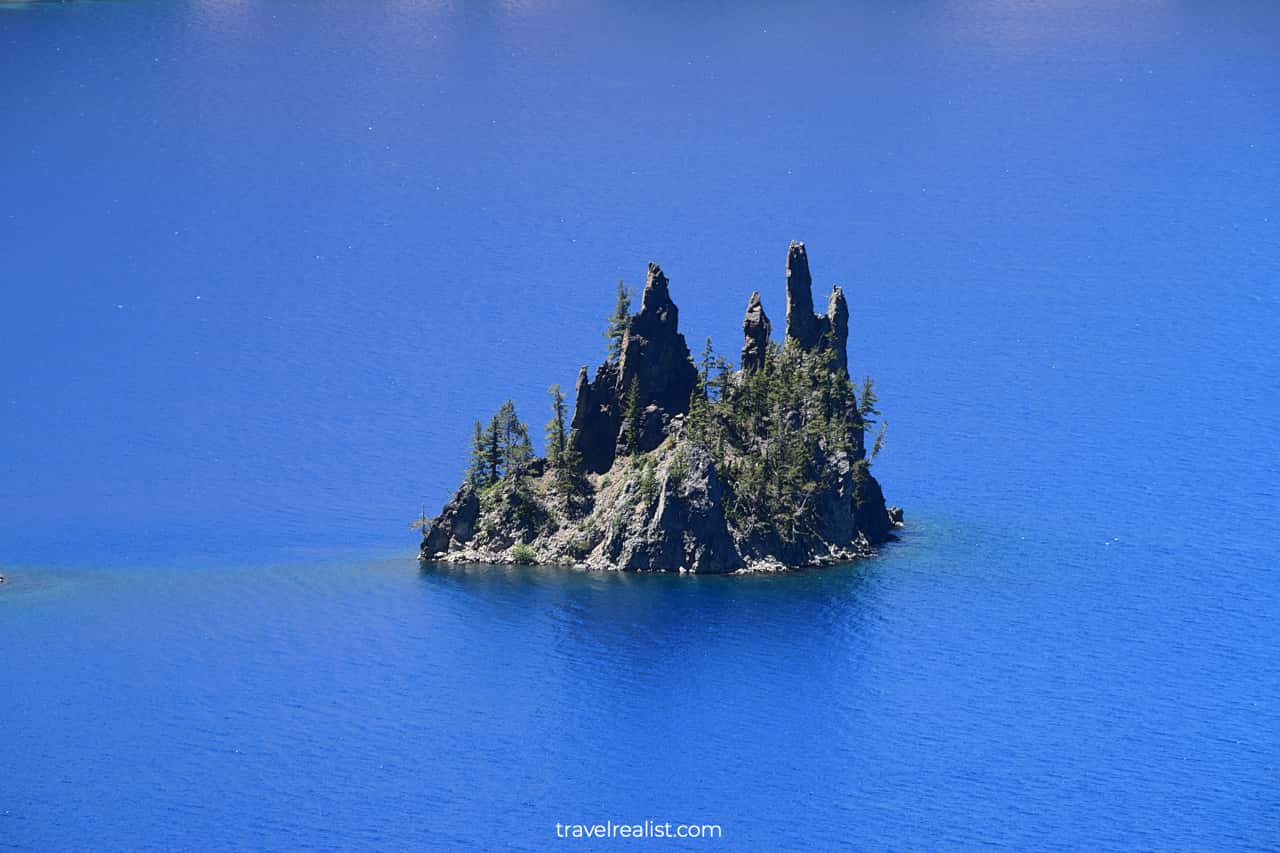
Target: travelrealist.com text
<point>647,829</point>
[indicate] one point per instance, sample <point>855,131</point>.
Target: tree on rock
<point>714,373</point>
<point>618,322</point>
<point>493,451</point>
<point>632,418</point>
<point>477,467</point>
<point>514,438</point>
<point>557,437</point>
<point>867,400</point>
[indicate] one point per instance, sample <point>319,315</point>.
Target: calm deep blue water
<point>263,264</point>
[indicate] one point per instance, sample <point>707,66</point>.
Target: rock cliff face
<point>769,472</point>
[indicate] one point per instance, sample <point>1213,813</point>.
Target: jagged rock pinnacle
<point>654,353</point>
<point>755,332</point>
<point>658,314</point>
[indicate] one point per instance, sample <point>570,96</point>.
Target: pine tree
<point>718,385</point>
<point>493,451</point>
<point>619,320</point>
<point>879,443</point>
<point>515,448</point>
<point>704,365</point>
<point>477,470</point>
<point>521,448</point>
<point>867,402</point>
<point>713,373</point>
<point>567,476</point>
<point>697,421</point>
<point>631,418</point>
<point>556,436</point>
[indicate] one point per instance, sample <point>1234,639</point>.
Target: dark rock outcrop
<point>597,418</point>
<point>870,516</point>
<point>653,428</point>
<point>755,333</point>
<point>455,525</point>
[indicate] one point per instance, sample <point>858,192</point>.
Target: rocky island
<point>672,465</point>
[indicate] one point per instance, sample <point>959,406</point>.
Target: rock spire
<point>814,331</point>
<point>802,324</point>
<point>755,333</point>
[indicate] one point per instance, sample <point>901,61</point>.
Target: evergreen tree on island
<point>616,330</point>
<point>557,436</point>
<point>478,469</point>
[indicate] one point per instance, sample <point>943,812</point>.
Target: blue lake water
<point>264,263</point>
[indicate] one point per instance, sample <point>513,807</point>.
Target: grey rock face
<point>683,528</point>
<point>755,333</point>
<point>835,500</point>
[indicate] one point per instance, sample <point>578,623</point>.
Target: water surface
<point>265,263</point>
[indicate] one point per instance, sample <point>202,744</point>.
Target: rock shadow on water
<point>622,610</point>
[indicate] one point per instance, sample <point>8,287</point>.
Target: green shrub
<point>523,555</point>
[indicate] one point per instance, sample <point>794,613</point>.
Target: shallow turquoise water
<point>264,265</point>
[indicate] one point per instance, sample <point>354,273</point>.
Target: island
<point>676,465</point>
